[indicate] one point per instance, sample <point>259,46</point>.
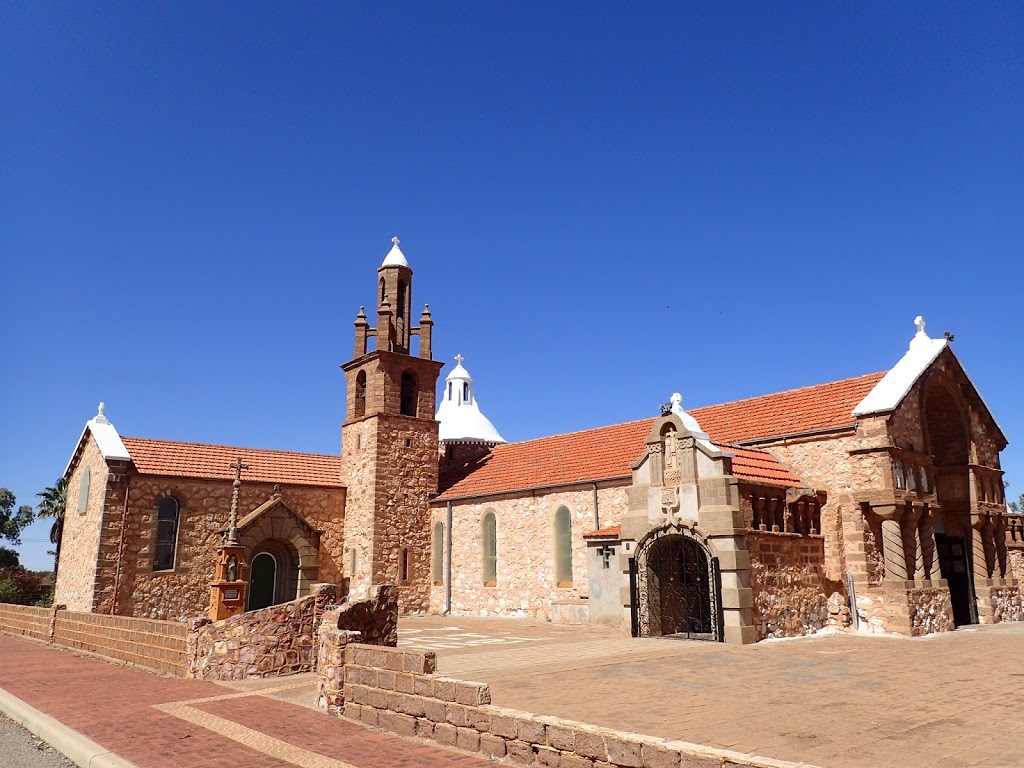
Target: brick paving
<point>136,715</point>
<point>839,701</point>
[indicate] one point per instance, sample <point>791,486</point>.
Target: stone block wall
<point>1007,603</point>
<point>155,645</point>
<point>906,607</point>
<point>791,593</point>
<point>27,621</point>
<point>270,642</point>
<point>397,691</point>
<point>526,584</point>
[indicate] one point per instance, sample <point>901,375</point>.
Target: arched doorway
<point>674,586</point>
<point>273,574</point>
<point>262,581</point>
<point>949,447</point>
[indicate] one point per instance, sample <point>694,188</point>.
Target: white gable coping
<point>887,394</point>
<point>107,440</point>
<point>395,257</point>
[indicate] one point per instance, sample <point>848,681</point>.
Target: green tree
<point>52,506</point>
<point>11,521</point>
<point>1017,506</point>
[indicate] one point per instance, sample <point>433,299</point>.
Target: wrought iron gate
<point>674,585</point>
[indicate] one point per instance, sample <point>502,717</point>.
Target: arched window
<point>166,535</point>
<point>437,554</point>
<point>403,566</point>
<point>408,404</point>
<point>465,391</point>
<point>353,562</point>
<point>83,492</point>
<point>449,390</point>
<point>401,298</point>
<point>360,404</point>
<point>490,550</point>
<point>563,547</point>
<point>383,295</point>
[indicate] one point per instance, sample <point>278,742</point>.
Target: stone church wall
<point>183,592</point>
<point>525,545</point>
<point>791,594</point>
<point>81,540</point>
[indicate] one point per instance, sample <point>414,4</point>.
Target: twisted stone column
<point>913,538</point>
<point>1001,546</point>
<point>979,564</point>
<point>926,532</point>
<point>892,549</point>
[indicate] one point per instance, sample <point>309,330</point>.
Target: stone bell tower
<point>389,444</point>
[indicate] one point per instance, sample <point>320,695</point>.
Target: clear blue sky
<point>602,205</point>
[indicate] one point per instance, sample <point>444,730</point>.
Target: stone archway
<point>948,443</point>
<point>674,586</point>
<point>273,574</point>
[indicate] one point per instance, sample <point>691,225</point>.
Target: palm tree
<point>54,501</point>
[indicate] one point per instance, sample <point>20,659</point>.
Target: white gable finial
<point>100,418</point>
<point>395,240</point>
<point>919,322</point>
<point>459,359</point>
<point>676,400</point>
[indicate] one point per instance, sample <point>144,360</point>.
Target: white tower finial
<point>459,359</point>
<point>395,240</point>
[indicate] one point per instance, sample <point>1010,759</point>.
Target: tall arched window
<point>408,404</point>
<point>360,404</point>
<point>401,298</point>
<point>83,492</point>
<point>563,547</point>
<point>465,391</point>
<point>437,554</point>
<point>166,535</point>
<point>490,550</point>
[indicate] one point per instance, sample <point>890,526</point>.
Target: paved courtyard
<point>949,700</point>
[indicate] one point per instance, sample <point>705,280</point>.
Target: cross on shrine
<point>459,359</point>
<point>238,466</point>
<point>395,240</point>
<point>606,553</point>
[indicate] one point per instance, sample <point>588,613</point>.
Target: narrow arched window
<point>563,547</point>
<point>403,566</point>
<point>360,400</point>
<point>353,562</point>
<point>166,535</point>
<point>383,295</point>
<point>401,298</point>
<point>490,550</point>
<point>449,390</point>
<point>437,554</point>
<point>408,404</point>
<point>83,492</point>
<point>465,391</point>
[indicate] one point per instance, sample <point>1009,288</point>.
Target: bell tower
<point>389,443</point>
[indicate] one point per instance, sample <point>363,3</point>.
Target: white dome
<point>459,414</point>
<point>395,257</point>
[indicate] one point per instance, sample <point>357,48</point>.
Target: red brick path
<point>113,706</point>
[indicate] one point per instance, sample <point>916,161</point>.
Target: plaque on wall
<point>230,594</point>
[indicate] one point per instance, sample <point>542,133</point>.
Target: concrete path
<point>842,701</point>
<point>157,722</point>
<point>19,747</point>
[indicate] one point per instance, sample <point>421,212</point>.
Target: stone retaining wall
<point>270,642</point>
<point>906,607</point>
<point>156,645</point>
<point>1007,604</point>
<point>397,691</point>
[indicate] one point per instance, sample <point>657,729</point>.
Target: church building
<point>875,501</point>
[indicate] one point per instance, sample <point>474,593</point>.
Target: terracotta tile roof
<point>607,452</point>
<point>608,532</point>
<point>785,413</point>
<point>760,467</point>
<point>165,457</point>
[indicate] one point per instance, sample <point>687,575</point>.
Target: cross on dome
<point>459,359</point>
<point>395,240</point>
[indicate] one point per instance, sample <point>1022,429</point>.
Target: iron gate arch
<point>675,586</point>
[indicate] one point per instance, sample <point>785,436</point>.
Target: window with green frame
<point>490,550</point>
<point>563,547</point>
<point>437,554</point>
